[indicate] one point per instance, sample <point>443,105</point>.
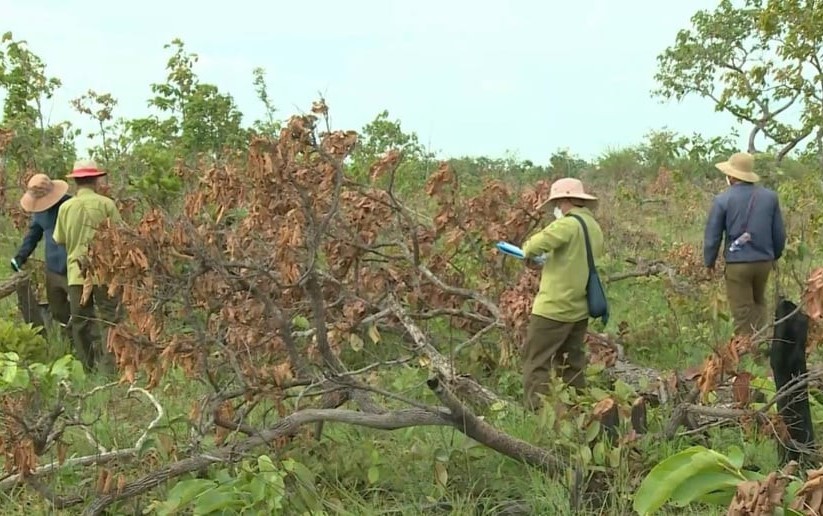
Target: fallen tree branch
<point>98,458</point>
<point>465,421</point>
<point>644,271</point>
<point>289,425</point>
<point>10,285</point>
<point>462,384</point>
<point>455,415</point>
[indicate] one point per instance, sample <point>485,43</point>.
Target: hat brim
<point>728,169</point>
<point>86,173</point>
<point>36,205</point>
<point>581,197</point>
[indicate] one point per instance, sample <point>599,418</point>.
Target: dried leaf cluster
<point>760,498</point>
<point>217,285</point>
<point>722,363</point>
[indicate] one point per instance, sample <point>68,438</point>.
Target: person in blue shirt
<point>745,218</point>
<point>43,198</point>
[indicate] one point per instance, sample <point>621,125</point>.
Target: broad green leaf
<point>598,393</point>
<point>215,500</point>
<point>614,457</point>
<point>667,476</point>
<point>623,390</point>
<point>374,474</point>
<point>736,456</point>
<point>703,483</point>
<point>719,498</point>
<point>548,417</point>
<point>303,474</point>
<point>61,368</point>
<point>585,455</point>
<point>9,373</point>
<point>185,491</point>
<point>592,431</point>
<point>599,453</point>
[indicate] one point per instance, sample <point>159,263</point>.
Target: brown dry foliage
<point>662,184</point>
<point>813,297</point>
<point>236,262</point>
<point>809,498</point>
<point>687,260</point>
<point>722,363</point>
<point>760,498</point>
<point>16,445</point>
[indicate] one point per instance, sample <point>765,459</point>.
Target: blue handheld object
<point>511,250</point>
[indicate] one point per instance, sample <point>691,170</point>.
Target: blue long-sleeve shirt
<point>727,217</point>
<point>41,224</point>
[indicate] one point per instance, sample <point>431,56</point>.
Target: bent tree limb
<point>11,284</point>
<point>454,414</point>
<point>464,385</point>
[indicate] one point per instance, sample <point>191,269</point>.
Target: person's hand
<point>533,265</point>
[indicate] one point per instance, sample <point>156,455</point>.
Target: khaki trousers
<point>552,346</point>
<point>746,292</point>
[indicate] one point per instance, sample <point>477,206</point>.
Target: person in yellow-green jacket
<point>77,223</point>
<point>560,313</point>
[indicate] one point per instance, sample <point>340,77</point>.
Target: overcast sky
<point>469,76</point>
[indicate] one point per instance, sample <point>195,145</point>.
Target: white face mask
<point>558,213</point>
<point>728,181</point>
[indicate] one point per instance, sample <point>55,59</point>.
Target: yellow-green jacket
<point>77,222</point>
<point>562,294</point>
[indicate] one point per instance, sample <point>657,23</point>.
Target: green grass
<point>367,472</point>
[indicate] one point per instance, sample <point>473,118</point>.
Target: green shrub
<point>24,340</point>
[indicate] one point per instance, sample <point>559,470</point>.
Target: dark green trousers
<point>746,292</point>
<point>90,325</point>
<point>28,305</point>
<point>552,346</point>
<point>57,295</point>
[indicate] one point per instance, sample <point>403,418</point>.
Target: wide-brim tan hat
<point>568,188</point>
<point>42,193</point>
<point>739,166</point>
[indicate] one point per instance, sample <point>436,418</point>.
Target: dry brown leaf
<point>759,498</point>
<point>741,389</point>
<point>813,296</point>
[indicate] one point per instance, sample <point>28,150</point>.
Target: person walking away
<point>749,217</point>
<point>77,222</point>
<point>560,314</point>
<point>43,198</point>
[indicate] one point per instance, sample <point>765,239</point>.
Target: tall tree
<point>760,62</point>
<point>37,144</point>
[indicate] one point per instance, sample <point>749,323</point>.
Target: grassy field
<point>439,470</point>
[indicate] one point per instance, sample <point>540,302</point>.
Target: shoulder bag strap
<point>749,211</point>
<point>589,256</point>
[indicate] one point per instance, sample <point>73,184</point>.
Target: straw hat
<point>739,166</point>
<point>567,188</point>
<point>86,168</point>
<point>42,193</point>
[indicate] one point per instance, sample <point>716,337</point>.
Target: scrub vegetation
<point>318,321</point>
